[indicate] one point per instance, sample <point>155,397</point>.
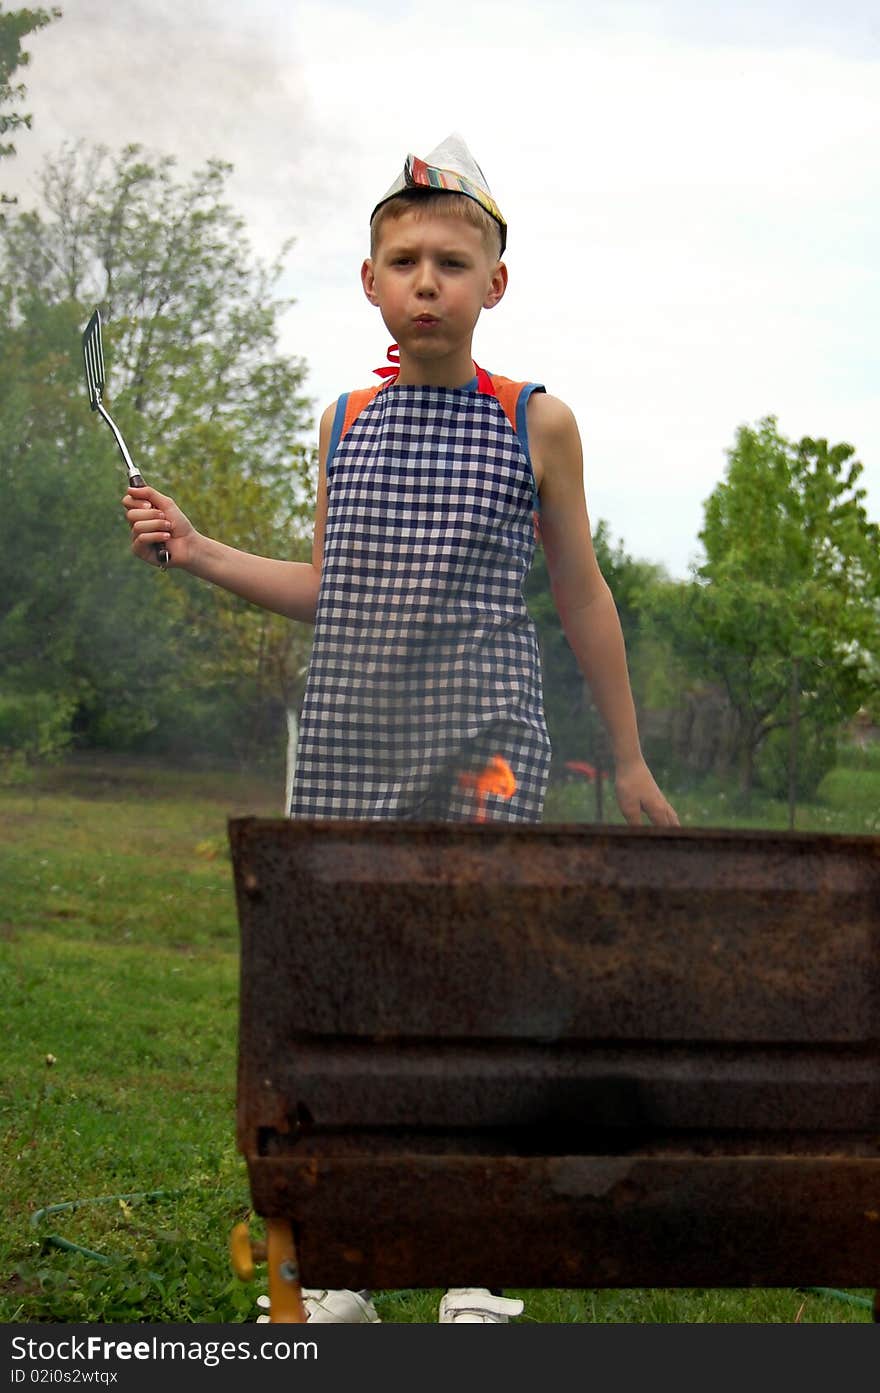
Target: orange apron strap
<point>357,400</point>
<point>508,393</point>
<point>513,398</point>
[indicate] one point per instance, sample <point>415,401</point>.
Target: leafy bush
<point>816,756</point>
<point>34,728</point>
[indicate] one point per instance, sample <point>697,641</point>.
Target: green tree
<point>576,731</point>
<point>212,411</point>
<point>783,612</point>
<point>15,25</point>
<point>74,613</point>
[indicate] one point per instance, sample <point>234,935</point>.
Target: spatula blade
<point>93,359</point>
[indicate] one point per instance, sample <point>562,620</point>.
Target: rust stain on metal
<point>561,1054</point>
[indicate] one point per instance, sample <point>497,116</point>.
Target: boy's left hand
<point>637,793</point>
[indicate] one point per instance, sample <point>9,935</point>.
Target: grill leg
<point>285,1291</point>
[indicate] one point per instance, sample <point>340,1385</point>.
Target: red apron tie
<point>393,356</point>
<point>390,372</point>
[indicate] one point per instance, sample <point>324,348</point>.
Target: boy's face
<point>431,276</point>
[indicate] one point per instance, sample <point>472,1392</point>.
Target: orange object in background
<point>497,778</point>
<point>580,766</point>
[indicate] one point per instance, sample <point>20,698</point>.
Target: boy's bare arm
<point>585,603</point>
<point>285,587</point>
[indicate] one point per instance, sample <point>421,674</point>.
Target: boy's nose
<point>426,282</point>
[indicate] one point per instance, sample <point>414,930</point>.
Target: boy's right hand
<point>153,517</point>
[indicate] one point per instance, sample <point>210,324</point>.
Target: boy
<point>424,673</point>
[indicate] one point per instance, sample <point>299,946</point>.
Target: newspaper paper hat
<point>450,167</point>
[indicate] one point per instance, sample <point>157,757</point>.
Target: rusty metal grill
<point>560,1055</point>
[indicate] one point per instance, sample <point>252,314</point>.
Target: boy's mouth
<point>424,321</point>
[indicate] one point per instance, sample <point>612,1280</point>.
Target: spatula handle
<point>160,549</point>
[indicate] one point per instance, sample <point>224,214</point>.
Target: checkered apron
<point>425,662</point>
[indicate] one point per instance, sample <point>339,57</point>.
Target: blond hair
<point>426,201</point>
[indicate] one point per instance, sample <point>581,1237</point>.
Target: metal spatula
<point>93,357</point>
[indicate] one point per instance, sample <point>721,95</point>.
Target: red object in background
<point>580,766</point>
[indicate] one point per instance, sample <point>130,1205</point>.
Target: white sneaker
<point>338,1307</point>
<point>477,1305</point>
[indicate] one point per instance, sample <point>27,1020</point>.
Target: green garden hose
<point>840,1296</point>
<point>56,1241</point>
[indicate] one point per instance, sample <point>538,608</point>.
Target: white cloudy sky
<point>692,191</point>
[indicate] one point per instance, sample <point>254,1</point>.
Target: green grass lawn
<point>118,977</point>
